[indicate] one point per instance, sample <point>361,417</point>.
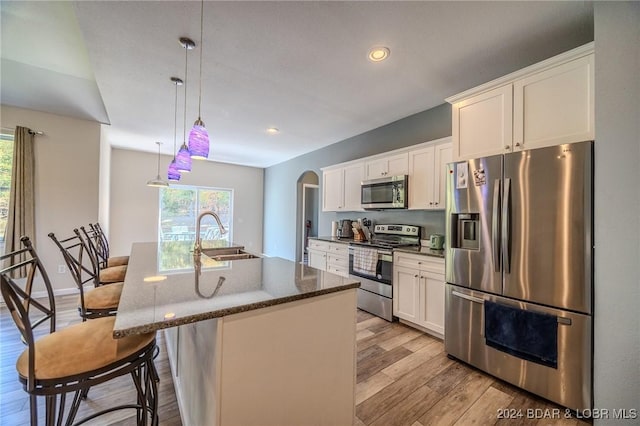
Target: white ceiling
<point>297,66</point>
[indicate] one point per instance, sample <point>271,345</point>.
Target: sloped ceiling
<point>299,66</point>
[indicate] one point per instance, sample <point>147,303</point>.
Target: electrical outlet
<point>62,269</point>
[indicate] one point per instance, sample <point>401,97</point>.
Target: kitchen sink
<point>227,253</point>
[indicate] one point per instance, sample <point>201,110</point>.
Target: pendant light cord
<point>158,158</point>
<point>175,121</point>
<point>186,53</point>
<point>201,44</point>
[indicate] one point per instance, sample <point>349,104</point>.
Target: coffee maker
<point>344,229</point>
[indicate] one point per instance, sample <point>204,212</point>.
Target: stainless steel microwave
<point>385,193</point>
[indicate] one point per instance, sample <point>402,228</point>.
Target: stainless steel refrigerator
<point>519,269</point>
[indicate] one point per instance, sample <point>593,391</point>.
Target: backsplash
<point>430,222</point>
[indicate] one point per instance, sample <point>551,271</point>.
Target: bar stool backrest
<point>97,243</point>
<point>82,264</point>
<point>19,301</point>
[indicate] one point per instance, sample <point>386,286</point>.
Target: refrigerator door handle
<point>506,225</point>
<point>468,297</point>
<point>495,226</point>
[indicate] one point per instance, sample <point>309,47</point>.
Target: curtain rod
<point>11,130</point>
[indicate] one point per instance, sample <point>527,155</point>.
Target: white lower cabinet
<point>418,291</point>
<point>330,257</point>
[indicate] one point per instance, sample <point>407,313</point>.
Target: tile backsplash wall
<point>430,222</point>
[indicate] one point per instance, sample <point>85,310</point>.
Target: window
<point>179,209</point>
<point>6,164</point>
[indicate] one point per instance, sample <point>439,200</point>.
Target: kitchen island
<point>260,341</point>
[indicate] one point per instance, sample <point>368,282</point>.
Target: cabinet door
<point>432,300</point>
<point>555,106</point>
<point>406,293</point>
<point>483,125</point>
<point>353,177</point>
<point>318,259</point>
<point>375,169</point>
<point>398,164</point>
<point>332,190</point>
<point>392,165</point>
<point>443,156</point>
<point>421,162</point>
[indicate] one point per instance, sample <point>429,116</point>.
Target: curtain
<point>21,217</point>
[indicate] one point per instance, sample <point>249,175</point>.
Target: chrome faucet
<point>197,248</point>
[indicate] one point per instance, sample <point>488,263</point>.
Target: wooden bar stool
<point>76,358</point>
<point>100,301</point>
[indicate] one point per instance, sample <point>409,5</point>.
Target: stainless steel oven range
<point>371,262</point>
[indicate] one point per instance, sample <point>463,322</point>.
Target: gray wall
<point>280,181</point>
<point>617,208</point>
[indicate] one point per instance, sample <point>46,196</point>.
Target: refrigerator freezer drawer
<point>569,384</point>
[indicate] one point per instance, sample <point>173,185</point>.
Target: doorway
<point>308,212</point>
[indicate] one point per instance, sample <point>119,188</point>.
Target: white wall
<point>134,206</point>
<point>66,180</point>
<point>617,208</point>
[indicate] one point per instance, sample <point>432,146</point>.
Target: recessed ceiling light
<point>273,130</point>
<point>379,53</point>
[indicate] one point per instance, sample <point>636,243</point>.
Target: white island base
<point>288,364</point>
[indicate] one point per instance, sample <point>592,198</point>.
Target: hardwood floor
<point>403,378</point>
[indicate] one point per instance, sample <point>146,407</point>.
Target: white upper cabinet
<point>555,106</point>
<point>426,175</point>
<point>391,165</point>
<point>353,177</point>
<point>333,190</point>
<point>548,103</point>
<point>423,163</point>
<point>341,187</point>
<point>482,124</point>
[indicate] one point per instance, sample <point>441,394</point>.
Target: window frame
<point>197,189</point>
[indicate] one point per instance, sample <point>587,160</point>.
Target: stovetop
<point>392,236</point>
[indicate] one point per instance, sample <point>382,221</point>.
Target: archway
<point>308,207</point>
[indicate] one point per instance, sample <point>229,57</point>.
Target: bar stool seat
<point>118,261</point>
<point>103,298</point>
<point>112,274</point>
<point>90,345</point>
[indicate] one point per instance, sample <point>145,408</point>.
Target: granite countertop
<point>426,251</point>
<point>164,289</point>
<point>333,239</point>
<point>410,249</point>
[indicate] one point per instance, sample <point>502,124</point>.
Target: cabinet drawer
<point>343,271</point>
<point>417,261</point>
<point>338,249</point>
<point>337,260</point>
<point>318,245</point>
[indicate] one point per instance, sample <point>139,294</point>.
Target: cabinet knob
<point>507,147</point>
<point>518,144</point>
<point>415,276</point>
<point>436,203</point>
<point>430,203</point>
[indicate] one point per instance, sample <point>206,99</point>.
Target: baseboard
<point>57,292</point>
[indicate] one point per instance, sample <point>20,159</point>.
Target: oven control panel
<point>407,230</point>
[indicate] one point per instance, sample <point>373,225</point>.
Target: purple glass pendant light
<point>183,158</point>
<point>173,174</point>
<point>199,137</point>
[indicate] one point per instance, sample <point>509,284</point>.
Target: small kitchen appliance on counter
<point>519,250</point>
<point>371,262</point>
